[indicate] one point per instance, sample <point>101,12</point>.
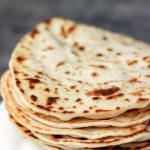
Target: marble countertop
<point>131,17</point>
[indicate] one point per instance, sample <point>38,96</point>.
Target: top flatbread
<point>69,70</point>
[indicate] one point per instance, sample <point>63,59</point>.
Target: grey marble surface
<point>19,16</point>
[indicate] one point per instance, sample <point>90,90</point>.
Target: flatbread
<point>68,70</point>
<point>28,134</point>
<point>129,118</point>
<point>85,143</point>
<point>89,133</point>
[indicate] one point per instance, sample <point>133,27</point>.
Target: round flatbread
<point>70,70</point>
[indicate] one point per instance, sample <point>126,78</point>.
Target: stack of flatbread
<point>76,87</point>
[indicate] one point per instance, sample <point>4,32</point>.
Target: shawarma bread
<point>68,70</point>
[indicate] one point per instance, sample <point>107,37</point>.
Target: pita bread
<point>72,86</point>
<point>27,133</point>
<point>130,118</point>
<point>70,70</point>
